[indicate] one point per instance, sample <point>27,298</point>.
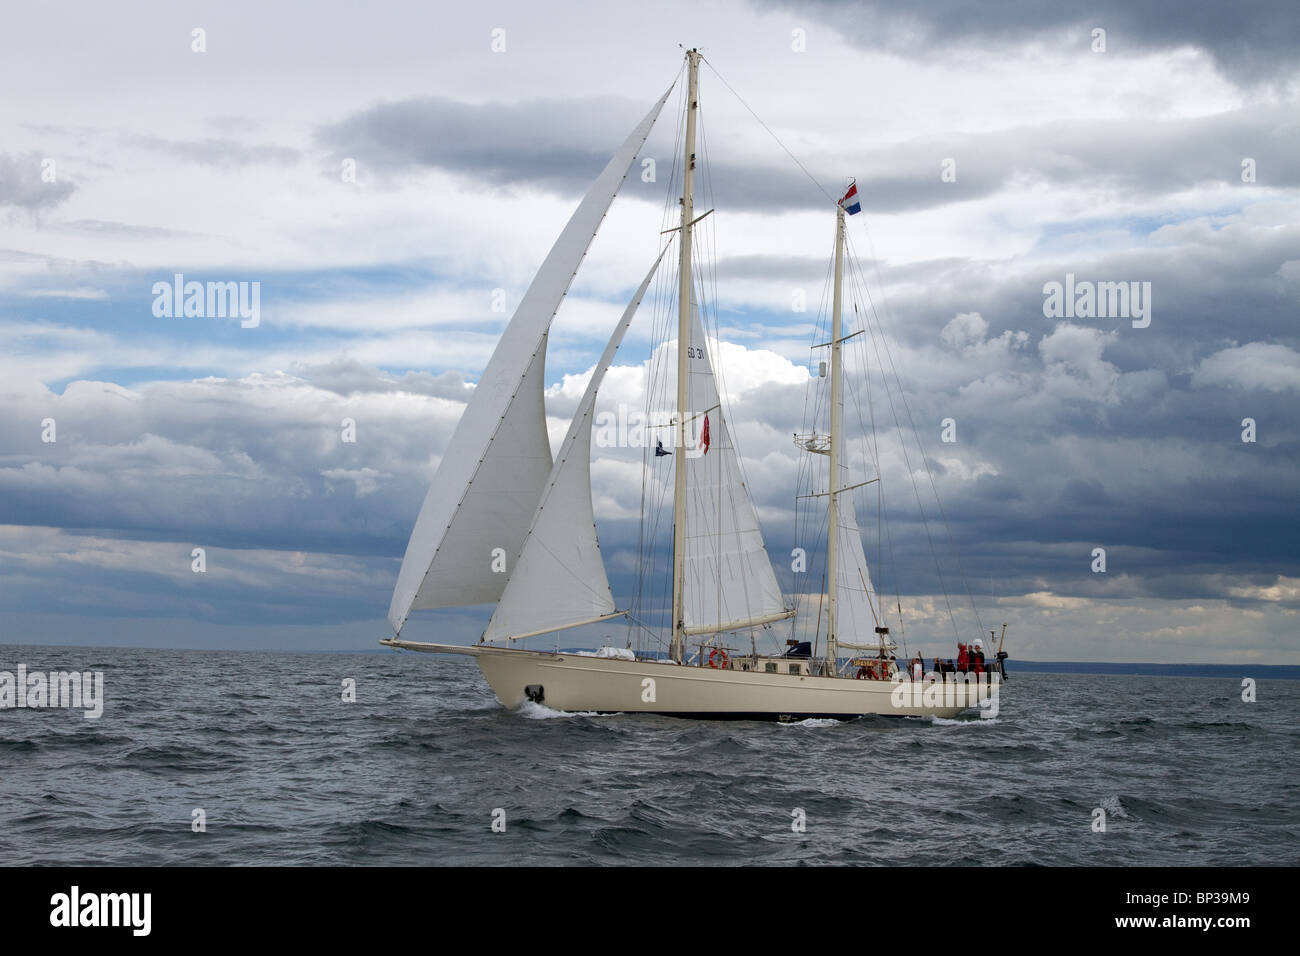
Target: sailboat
<point>504,524</point>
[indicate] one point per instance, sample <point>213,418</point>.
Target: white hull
<point>574,682</point>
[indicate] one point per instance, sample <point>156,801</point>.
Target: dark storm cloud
<point>559,145</point>
<point>1101,435</point>
<point>22,185</point>
<point>1249,40</point>
<point>1209,287</point>
<point>1134,157</point>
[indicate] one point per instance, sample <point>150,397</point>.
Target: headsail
<point>729,578</point>
<point>495,466</point>
<point>559,579</point>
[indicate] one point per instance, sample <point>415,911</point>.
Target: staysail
<point>495,467</point>
<point>559,579</point>
<point>730,583</point>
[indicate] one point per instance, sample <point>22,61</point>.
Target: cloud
<point>77,293</point>
<point>1260,365</point>
<point>968,328</point>
<point>22,183</point>
<point>559,145</point>
<point>214,151</point>
<point>1251,41</point>
<point>556,144</point>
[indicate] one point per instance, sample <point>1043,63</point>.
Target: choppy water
<point>411,773</point>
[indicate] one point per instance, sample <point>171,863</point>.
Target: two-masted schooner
<point>497,492</point>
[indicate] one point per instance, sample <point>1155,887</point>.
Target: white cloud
<point>1262,365</point>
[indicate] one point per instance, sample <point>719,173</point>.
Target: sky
<point>391,175</point>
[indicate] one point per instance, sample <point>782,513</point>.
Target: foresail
<point>729,578</point>
<point>495,467</point>
<point>559,579</point>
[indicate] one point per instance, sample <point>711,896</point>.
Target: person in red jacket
<point>962,660</point>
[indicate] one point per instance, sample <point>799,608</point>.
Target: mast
<point>677,647</point>
<point>833,510</point>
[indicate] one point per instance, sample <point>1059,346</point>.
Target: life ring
<point>861,674</point>
<point>714,655</point>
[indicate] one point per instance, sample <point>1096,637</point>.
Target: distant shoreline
<point>1105,668</point>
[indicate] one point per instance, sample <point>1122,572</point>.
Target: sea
<point>255,758</point>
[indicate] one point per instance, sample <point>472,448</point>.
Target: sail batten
<point>559,579</point>
<point>493,470</point>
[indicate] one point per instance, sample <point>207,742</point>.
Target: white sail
<point>494,468</point>
<point>729,578</point>
<point>856,605</point>
<point>559,579</point>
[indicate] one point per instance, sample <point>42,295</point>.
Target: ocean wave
<point>959,722</point>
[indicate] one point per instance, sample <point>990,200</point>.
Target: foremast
<point>677,646</point>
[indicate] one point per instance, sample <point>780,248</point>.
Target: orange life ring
<point>716,653</point>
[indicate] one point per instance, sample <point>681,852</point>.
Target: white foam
<point>812,722</point>
<point>1111,804</point>
<point>535,711</point>
<point>953,722</point>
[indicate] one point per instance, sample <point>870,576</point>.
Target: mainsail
<point>559,580</point>
<point>856,598</point>
<point>495,467</point>
<point>729,579</point>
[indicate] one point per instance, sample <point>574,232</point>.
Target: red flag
<point>704,436</point>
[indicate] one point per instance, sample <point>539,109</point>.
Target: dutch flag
<point>850,201</point>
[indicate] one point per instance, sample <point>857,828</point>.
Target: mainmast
<point>677,648</point>
<point>833,487</point>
